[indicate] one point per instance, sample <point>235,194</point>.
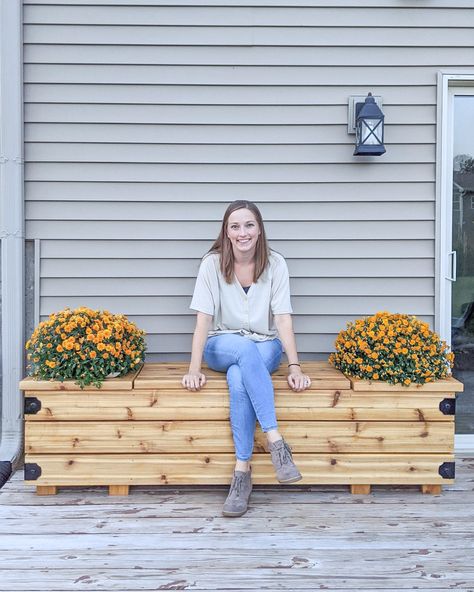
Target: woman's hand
<point>193,381</point>
<point>297,380</point>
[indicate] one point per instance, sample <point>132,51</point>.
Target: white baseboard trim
<point>464,444</point>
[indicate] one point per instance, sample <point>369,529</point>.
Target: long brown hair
<point>223,246</point>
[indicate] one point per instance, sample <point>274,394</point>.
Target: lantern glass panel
<point>371,131</point>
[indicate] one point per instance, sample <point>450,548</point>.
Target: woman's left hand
<point>297,380</point>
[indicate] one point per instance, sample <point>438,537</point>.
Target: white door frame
<point>447,84</point>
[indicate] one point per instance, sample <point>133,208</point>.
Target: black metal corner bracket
<point>32,405</point>
<point>447,470</point>
<point>448,406</point>
<point>32,471</point>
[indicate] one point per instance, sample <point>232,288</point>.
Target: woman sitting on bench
<point>242,299</point>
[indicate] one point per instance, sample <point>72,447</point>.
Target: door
<point>461,269</point>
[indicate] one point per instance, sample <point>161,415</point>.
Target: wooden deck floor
<point>292,538</point>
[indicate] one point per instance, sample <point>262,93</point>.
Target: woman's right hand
<point>193,381</point>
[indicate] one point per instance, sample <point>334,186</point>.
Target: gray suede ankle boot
<point>282,459</point>
<point>237,501</point>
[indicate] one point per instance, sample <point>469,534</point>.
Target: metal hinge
<point>447,470</point>
<point>32,405</point>
<point>32,471</point>
<point>448,406</point>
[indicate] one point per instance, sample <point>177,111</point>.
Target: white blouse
<point>233,310</point>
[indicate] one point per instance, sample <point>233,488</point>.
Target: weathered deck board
<point>263,577</point>
<point>292,538</point>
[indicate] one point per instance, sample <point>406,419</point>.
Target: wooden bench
<point>145,429</point>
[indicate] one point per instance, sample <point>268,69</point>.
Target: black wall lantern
<point>368,127</point>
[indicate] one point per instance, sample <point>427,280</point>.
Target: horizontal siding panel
<point>168,268</point>
<point>218,154</point>
<point>254,16</point>
<point>182,343</point>
<point>216,134</point>
<point>183,249</point>
<point>217,114</point>
<point>245,56</point>
<point>172,211</point>
<point>65,191</point>
<point>233,75</point>
<point>304,324</point>
<point>398,230</point>
<point>185,356</point>
<point>255,36</point>
<point>221,95</point>
<point>303,305</point>
<point>305,3</point>
<point>232,173</point>
<point>308,286</point>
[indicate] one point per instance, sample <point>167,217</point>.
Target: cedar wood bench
<point>146,429</point>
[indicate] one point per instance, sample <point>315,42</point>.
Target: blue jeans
<point>248,365</point>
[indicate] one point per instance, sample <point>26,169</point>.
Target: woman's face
<point>243,231</point>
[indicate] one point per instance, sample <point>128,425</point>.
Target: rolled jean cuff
<point>275,427</point>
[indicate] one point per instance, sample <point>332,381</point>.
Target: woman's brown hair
<point>223,246</point>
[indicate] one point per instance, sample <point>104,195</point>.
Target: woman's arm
<point>195,379</point>
<point>296,379</point>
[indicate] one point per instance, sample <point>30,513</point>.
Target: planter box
<point>146,429</point>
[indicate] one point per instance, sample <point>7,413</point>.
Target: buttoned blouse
<point>234,311</point>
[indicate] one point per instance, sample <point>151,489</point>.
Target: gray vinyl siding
<point>144,120</point>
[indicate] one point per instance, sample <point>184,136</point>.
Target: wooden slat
<point>214,405</point>
<point>180,469</point>
<point>209,437</point>
<point>163,375</point>
<point>446,385</point>
<point>122,383</point>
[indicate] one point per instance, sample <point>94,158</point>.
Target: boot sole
<point>292,480</point>
<point>233,514</point>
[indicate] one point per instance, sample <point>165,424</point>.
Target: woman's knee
<point>235,380</point>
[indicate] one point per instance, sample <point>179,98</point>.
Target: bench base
<point>124,490</point>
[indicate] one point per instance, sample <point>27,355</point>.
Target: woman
<point>242,299</point>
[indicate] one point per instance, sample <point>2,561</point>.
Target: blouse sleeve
<point>206,289</point>
<point>280,294</point>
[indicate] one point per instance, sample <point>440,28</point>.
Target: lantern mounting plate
<point>351,118</point>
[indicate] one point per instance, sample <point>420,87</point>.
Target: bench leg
<point>432,489</point>
<point>46,490</point>
<point>360,489</point>
<point>119,489</point>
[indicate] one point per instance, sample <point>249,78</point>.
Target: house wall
<point>142,122</point>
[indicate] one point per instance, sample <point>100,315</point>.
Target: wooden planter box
<point>146,429</point>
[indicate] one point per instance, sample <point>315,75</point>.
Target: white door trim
<point>447,81</point>
<point>11,230</point>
